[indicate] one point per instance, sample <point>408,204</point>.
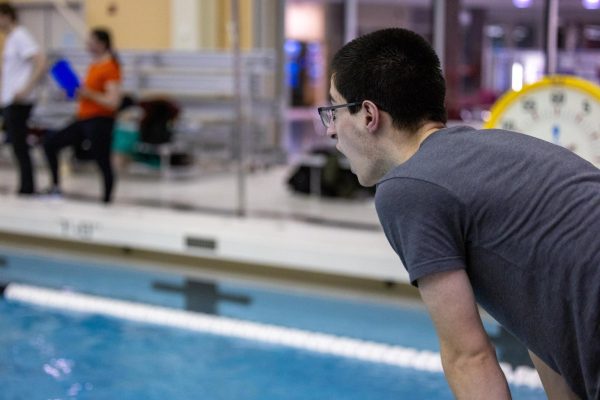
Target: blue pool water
<point>284,307</point>
<point>50,354</point>
<point>89,357</point>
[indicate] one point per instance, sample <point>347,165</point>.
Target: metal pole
<point>351,20</point>
<point>73,19</point>
<point>439,30</point>
<point>281,89</point>
<point>258,21</point>
<point>551,35</point>
<point>238,136</point>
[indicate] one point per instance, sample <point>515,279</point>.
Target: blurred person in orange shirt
<point>99,98</point>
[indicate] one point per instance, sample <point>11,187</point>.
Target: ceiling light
<point>522,3</point>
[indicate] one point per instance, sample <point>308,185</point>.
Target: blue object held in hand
<point>65,76</point>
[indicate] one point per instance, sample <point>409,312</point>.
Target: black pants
<point>98,131</point>
<point>15,123</point>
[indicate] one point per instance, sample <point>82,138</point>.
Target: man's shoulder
<point>403,191</point>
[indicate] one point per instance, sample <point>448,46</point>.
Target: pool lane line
<point>421,360</point>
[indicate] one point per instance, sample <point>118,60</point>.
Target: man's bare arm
<point>468,357</point>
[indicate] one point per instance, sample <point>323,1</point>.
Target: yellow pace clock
<point>561,109</point>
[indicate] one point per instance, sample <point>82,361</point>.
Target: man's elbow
<point>470,357</point>
<point>476,374</point>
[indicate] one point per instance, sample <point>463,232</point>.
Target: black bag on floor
<point>335,181</point>
<point>156,123</point>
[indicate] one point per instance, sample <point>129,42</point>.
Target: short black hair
<point>8,10</point>
<point>397,70</point>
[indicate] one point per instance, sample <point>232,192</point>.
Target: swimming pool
<point>239,340</point>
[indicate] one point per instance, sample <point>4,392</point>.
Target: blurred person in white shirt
<point>23,64</point>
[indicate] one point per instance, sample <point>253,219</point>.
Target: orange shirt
<point>99,74</point>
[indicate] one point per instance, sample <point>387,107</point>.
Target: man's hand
<point>468,357</point>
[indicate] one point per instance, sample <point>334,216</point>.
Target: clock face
<point>560,109</point>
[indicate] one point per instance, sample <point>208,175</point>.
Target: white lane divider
<point>305,340</point>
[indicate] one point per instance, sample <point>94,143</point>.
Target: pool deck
<point>277,242</point>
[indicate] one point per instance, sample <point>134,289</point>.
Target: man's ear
<point>372,116</point>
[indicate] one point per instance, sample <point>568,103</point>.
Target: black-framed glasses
<point>327,114</point>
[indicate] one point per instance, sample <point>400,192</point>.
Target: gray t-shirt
<point>522,216</point>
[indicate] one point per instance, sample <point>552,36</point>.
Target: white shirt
<point>17,64</point>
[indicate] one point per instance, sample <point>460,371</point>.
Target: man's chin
<point>364,181</point>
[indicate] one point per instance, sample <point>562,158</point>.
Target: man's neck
<point>410,142</point>
<point>428,129</point>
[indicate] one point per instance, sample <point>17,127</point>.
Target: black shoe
<point>26,193</point>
